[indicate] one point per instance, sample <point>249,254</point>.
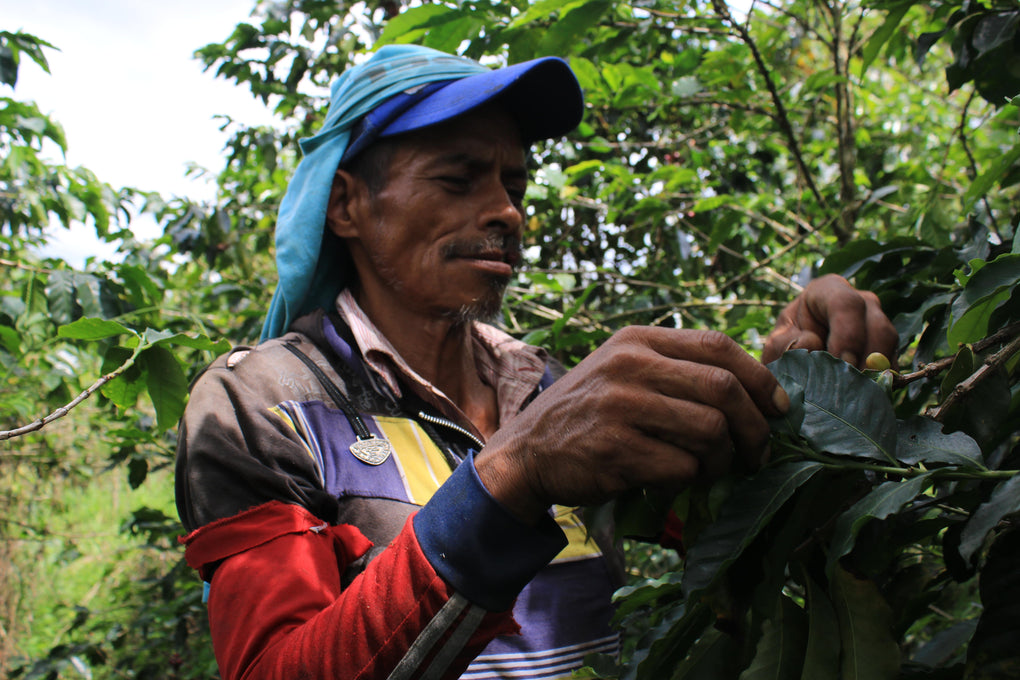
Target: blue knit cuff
<point>478,546</point>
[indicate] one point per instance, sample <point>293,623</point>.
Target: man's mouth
<point>510,257</point>
<point>505,250</point>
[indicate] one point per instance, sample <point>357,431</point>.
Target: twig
<point>961,131</point>
<point>845,146</point>
<point>782,118</point>
<point>26,267</point>
<point>764,264</point>
<point>992,364</point>
<point>64,410</point>
<point>544,312</point>
<point>755,265</point>
<point>936,367</point>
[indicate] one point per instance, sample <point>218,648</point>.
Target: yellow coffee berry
<point>877,361</point>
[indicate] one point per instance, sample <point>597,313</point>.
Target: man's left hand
<point>834,316</point>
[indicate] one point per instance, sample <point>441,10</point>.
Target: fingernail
<point>849,357</point>
<point>780,399</point>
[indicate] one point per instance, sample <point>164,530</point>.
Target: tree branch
<point>936,367</point>
<point>26,267</point>
<point>961,132</point>
<point>782,118</point>
<point>755,265</point>
<point>64,410</point>
<point>845,147</point>
<point>992,364</point>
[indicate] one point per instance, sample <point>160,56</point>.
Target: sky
<point>135,105</point>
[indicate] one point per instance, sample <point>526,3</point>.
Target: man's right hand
<point>652,407</point>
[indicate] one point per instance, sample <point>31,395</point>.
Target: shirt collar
<point>512,367</point>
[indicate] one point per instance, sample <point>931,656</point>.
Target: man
<point>334,478</point>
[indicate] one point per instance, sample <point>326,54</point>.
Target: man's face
<point>442,237</point>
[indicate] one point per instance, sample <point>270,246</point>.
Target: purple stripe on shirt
<point>578,591</point>
<point>343,474</point>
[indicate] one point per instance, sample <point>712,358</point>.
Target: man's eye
<point>516,194</point>
<point>455,182</point>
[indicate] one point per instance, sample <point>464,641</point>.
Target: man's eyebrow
<point>473,162</point>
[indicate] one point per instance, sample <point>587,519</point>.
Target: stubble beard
<point>487,306</point>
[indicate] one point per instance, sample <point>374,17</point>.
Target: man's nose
<point>502,210</point>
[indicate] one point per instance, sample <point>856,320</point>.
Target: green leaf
<point>86,288</point>
<point>780,651</point>
<point>711,203</point>
<point>884,500</point>
<point>92,329</point>
<point>630,598</point>
<point>992,652</point>
<point>152,337</point>
<point>399,28</point>
<point>960,370</point>
<point>868,649</point>
<point>60,297</point>
<point>641,513</point>
<point>921,440</point>
<point>167,385</point>
<point>1004,501</point>
<point>123,390</point>
<point>672,640</point>
<point>568,314</point>
<point>540,10</point>
<point>882,34</point>
<point>201,342</point>
<point>984,292</point>
<point>138,470</point>
<point>984,182</point>
<point>588,75</point>
<point>10,339</point>
<point>983,410</point>
<point>845,413</point>
<point>8,66</point>
<point>821,656</point>
<point>945,645</point>
<point>571,25</point>
<point>713,656</point>
<point>750,507</point>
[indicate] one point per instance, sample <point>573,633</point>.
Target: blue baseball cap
<point>542,95</point>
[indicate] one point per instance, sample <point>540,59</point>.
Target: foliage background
<point>724,160</point>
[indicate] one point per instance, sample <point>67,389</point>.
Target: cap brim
<point>542,95</point>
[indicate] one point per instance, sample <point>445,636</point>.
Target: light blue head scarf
<point>309,260</point>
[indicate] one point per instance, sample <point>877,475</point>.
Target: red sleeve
<point>277,610</point>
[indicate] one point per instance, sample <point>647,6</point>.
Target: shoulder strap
<point>338,397</point>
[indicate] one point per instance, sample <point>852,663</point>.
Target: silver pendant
<point>373,450</point>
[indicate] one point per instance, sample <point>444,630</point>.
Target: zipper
<point>449,424</point>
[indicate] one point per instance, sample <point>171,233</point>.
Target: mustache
<point>507,244</point>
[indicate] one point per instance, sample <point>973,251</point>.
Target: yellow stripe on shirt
<point>422,465</point>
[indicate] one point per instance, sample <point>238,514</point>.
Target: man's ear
<point>345,201</point>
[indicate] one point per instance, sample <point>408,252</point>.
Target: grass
<point>64,547</point>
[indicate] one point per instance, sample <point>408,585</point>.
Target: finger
<point>792,338</point>
<point>841,309</point>
<point>882,335</point>
<point>663,464</point>
<point>710,348</point>
<point>709,412</point>
<point>699,431</point>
